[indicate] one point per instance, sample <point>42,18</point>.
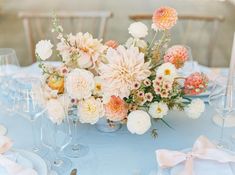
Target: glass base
<point>103,126</point>
<point>62,165</point>
<point>76,150</point>
<point>3,130</point>
<point>222,144</point>
<point>39,151</point>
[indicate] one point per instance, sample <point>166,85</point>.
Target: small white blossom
<point>56,112</point>
<point>195,108</point>
<point>44,49</point>
<point>138,30</point>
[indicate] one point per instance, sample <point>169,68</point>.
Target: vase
<point>75,149</point>
<point>107,126</point>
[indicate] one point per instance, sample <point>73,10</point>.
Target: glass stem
<point>35,135</point>
<point>74,134</point>
<point>222,131</point>
<point>56,160</point>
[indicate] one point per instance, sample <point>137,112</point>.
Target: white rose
<point>158,109</point>
<point>90,110</point>
<point>138,122</point>
<point>138,30</point>
<point>44,49</point>
<point>195,108</point>
<point>55,111</point>
<point>80,83</point>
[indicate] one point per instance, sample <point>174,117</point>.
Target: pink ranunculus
<point>164,18</point>
<point>111,43</point>
<point>116,109</point>
<point>195,84</point>
<point>176,55</point>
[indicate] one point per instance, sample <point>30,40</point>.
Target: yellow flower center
<point>98,87</point>
<point>159,110</point>
<point>167,72</point>
<point>90,108</point>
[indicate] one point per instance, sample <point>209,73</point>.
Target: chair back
<point>38,25</point>
<point>196,31</point>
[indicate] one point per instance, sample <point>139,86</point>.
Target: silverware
<point>73,172</point>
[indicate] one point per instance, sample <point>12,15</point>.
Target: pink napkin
<point>202,151</point>
<point>10,166</point>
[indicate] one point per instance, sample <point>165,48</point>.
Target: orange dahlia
<point>116,109</point>
<point>164,18</point>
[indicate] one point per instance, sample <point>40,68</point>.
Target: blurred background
<point>207,26</point>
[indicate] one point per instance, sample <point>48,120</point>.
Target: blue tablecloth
<point>122,153</point>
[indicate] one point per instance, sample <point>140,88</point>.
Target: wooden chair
<point>188,20</point>
<point>37,23</point>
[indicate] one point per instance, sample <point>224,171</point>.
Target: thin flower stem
<point>180,78</point>
<point>167,124</point>
<point>154,37</point>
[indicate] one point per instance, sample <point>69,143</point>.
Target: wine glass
<point>74,149</point>
<point>9,65</point>
<point>190,65</point>
<point>219,99</point>
<point>27,105</point>
<point>56,137</point>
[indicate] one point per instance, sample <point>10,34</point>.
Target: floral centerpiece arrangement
<point>133,83</point>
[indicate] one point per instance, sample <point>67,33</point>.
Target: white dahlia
<point>124,68</point>
<point>79,84</point>
<point>138,122</point>
<point>90,110</point>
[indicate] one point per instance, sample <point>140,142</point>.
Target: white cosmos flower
<point>99,86</point>
<point>138,122</point>
<point>90,110</point>
<point>195,108</point>
<point>44,49</point>
<point>158,109</point>
<point>138,30</point>
<point>79,84</point>
<point>55,109</point>
<point>167,71</point>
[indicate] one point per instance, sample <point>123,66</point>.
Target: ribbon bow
<point>10,166</point>
<point>202,149</point>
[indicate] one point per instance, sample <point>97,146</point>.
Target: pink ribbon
<point>12,167</point>
<point>202,149</point>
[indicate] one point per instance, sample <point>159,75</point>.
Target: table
<point>122,153</point>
